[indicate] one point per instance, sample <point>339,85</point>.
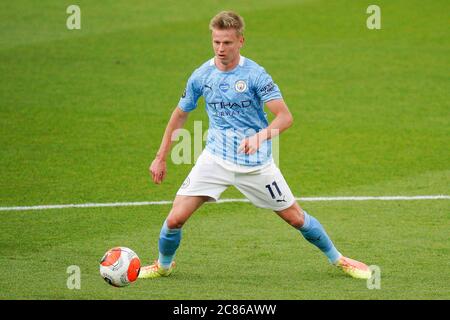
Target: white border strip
<point>151,203</point>
<point>381,198</point>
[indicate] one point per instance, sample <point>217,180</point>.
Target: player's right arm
<point>158,168</point>
<point>187,103</point>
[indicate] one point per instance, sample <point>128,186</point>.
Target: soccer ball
<point>120,266</point>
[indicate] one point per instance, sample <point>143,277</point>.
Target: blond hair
<point>228,20</point>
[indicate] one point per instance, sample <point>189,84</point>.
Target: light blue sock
<point>169,240</point>
<point>313,231</point>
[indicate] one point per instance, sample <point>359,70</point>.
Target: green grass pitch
<point>83,112</point>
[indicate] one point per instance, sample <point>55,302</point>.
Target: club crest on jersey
<point>224,87</point>
<point>240,86</point>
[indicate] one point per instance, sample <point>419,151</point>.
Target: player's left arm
<point>283,120</point>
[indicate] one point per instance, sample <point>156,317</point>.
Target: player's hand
<point>249,145</point>
<point>158,170</point>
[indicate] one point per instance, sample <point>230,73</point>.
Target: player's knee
<point>297,223</point>
<point>297,220</point>
<point>174,222</point>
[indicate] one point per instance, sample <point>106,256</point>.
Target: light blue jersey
<point>235,105</point>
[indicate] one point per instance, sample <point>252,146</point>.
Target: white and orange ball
<point>120,266</point>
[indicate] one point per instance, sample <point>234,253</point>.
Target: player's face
<point>227,44</point>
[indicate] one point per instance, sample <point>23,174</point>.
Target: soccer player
<point>238,148</point>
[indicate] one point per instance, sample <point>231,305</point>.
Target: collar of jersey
<point>240,64</point>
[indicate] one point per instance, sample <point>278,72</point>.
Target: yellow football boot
<point>155,271</point>
<point>354,268</point>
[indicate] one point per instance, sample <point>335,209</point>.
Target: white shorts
<point>264,186</point>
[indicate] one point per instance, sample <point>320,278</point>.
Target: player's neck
<point>229,66</point>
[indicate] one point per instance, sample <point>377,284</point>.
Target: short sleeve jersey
<point>234,101</point>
